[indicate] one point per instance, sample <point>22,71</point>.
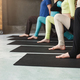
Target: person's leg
<point>59,22</point>
<point>53,32</point>
<point>31,20</point>
<point>75,51</point>
<point>40,20</point>
<point>76,45</point>
<point>39,24</point>
<point>43,26</point>
<point>49,20</point>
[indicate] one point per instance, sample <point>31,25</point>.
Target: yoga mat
<point>38,49</point>
<point>17,36</point>
<point>13,36</point>
<point>47,60</point>
<point>35,43</point>
<point>39,38</point>
<point>25,38</point>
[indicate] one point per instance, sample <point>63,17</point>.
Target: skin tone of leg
<point>33,37</point>
<point>61,47</point>
<point>66,55</point>
<point>78,56</point>
<point>55,1</point>
<point>44,41</point>
<point>26,35</point>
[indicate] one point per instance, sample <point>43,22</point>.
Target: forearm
<point>49,8</point>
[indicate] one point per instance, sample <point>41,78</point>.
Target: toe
<point>30,38</point>
<point>78,56</point>
<point>51,48</point>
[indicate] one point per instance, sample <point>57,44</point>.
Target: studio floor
<point>8,71</point>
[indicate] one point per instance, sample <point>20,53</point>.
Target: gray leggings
<point>60,20</point>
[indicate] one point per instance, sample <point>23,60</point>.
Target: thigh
<point>42,19</point>
<point>33,19</point>
<point>50,19</point>
<point>65,20</point>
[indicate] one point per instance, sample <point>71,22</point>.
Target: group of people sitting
<point>64,14</point>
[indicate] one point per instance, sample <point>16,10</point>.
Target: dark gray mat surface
<point>25,38</point>
<point>38,49</point>
<point>39,38</point>
<point>47,60</point>
<point>13,36</point>
<point>35,43</point>
<point>18,36</point>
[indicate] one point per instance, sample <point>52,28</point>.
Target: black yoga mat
<point>47,60</point>
<point>39,38</point>
<point>35,43</point>
<point>25,38</point>
<point>13,36</point>
<point>39,49</point>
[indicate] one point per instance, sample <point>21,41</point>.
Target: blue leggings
<point>40,20</point>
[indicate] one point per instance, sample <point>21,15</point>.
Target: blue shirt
<point>43,8</point>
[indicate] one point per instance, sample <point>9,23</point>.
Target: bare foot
<point>78,56</point>
<point>23,35</point>
<point>66,55</point>
<point>32,37</point>
<point>61,47</point>
<point>44,40</point>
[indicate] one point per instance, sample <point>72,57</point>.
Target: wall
<point>0,14</point>
<point>16,13</point>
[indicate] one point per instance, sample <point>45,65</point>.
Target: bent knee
<point>57,16</point>
<point>48,17</point>
<point>40,18</point>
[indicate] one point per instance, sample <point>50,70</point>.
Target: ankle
<point>62,47</point>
